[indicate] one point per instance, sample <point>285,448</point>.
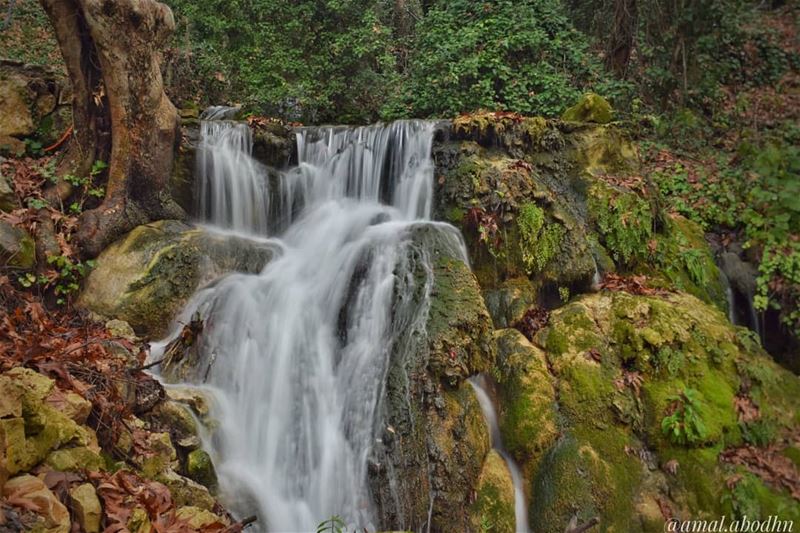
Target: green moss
<point>459,326</point>
<point>494,502</point>
<point>528,407</point>
<point>75,460</point>
<point>200,468</point>
<point>539,241</point>
<point>590,108</point>
<point>624,221</point>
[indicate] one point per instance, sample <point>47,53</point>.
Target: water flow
<point>296,357</point>
<point>232,186</point>
<point>520,511</point>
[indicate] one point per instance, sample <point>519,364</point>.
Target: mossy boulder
<point>622,365</point>
<point>17,248</point>
<point>146,277</point>
<point>494,503</point>
<point>200,468</point>
<point>435,438</point>
<point>528,415</point>
<point>590,108</point>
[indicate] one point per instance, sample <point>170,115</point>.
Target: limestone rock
<point>198,518</point>
<point>590,108</point>
<point>17,248</point>
<point>494,505</point>
<point>146,277</point>
<point>29,95</point>
<point>86,506</point>
<point>200,468</point>
<point>34,495</point>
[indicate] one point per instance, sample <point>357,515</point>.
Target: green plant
<point>521,55</point>
<point>743,498</point>
<point>683,424</point>
<point>669,359</point>
<point>761,432</point>
<point>334,524</point>
<point>625,221</point>
<point>539,241</point>
<point>69,274</point>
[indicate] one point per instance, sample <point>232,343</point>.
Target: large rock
<point>31,100</point>
<point>621,365</point>
<point>435,437</point>
<point>493,509</point>
<point>31,493</point>
<point>148,276</point>
<point>8,200</point>
<point>17,248</point>
<point>590,108</point>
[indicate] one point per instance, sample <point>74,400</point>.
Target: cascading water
<point>520,511</point>
<point>296,357</point>
<point>233,189</point>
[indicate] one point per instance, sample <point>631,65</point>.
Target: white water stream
<point>297,355</point>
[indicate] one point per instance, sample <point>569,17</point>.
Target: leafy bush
<point>312,61</point>
<point>522,56</point>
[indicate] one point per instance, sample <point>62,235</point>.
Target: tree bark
<point>121,113</point>
<point>622,36</point>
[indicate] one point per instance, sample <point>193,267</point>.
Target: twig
<point>60,141</point>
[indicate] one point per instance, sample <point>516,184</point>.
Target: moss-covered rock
<point>528,422</point>
<point>493,509</point>
<point>146,277</point>
<point>8,200</point>
<point>622,365</point>
<point>17,248</point>
<point>590,108</point>
<point>200,468</point>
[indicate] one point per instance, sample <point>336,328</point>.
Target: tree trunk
<point>622,36</point>
<point>120,110</point>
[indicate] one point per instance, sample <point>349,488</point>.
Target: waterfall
<point>520,510</point>
<point>296,357</point>
<point>232,186</point>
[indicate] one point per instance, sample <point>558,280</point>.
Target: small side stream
<point>481,387</point>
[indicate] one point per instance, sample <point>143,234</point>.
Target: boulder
<point>624,367</point>
<point>200,468</point>
<point>17,248</point>
<point>435,437</point>
<point>147,277</point>
<point>590,108</point>
<point>493,509</point>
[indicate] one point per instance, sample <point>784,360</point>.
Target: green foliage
<point>334,524</point>
<point>313,61</point>
<point>625,221</point>
<point>772,223</point>
<point>669,359</point>
<point>69,274</point>
<point>522,56</point>
<point>539,241</point>
<point>684,424</point>
<point>760,432</point>
<point>743,498</point>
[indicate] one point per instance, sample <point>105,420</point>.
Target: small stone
<point>139,521</point>
<point>198,518</point>
<point>121,329</point>
<point>75,406</point>
<point>8,200</point>
<point>201,469</point>
<point>185,491</point>
<point>87,508</point>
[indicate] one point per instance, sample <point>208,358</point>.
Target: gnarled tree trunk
<point>120,110</point>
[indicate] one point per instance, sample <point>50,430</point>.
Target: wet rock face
<point>148,276</point>
<point>434,438</point>
<point>595,388</point>
<point>34,103</point>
